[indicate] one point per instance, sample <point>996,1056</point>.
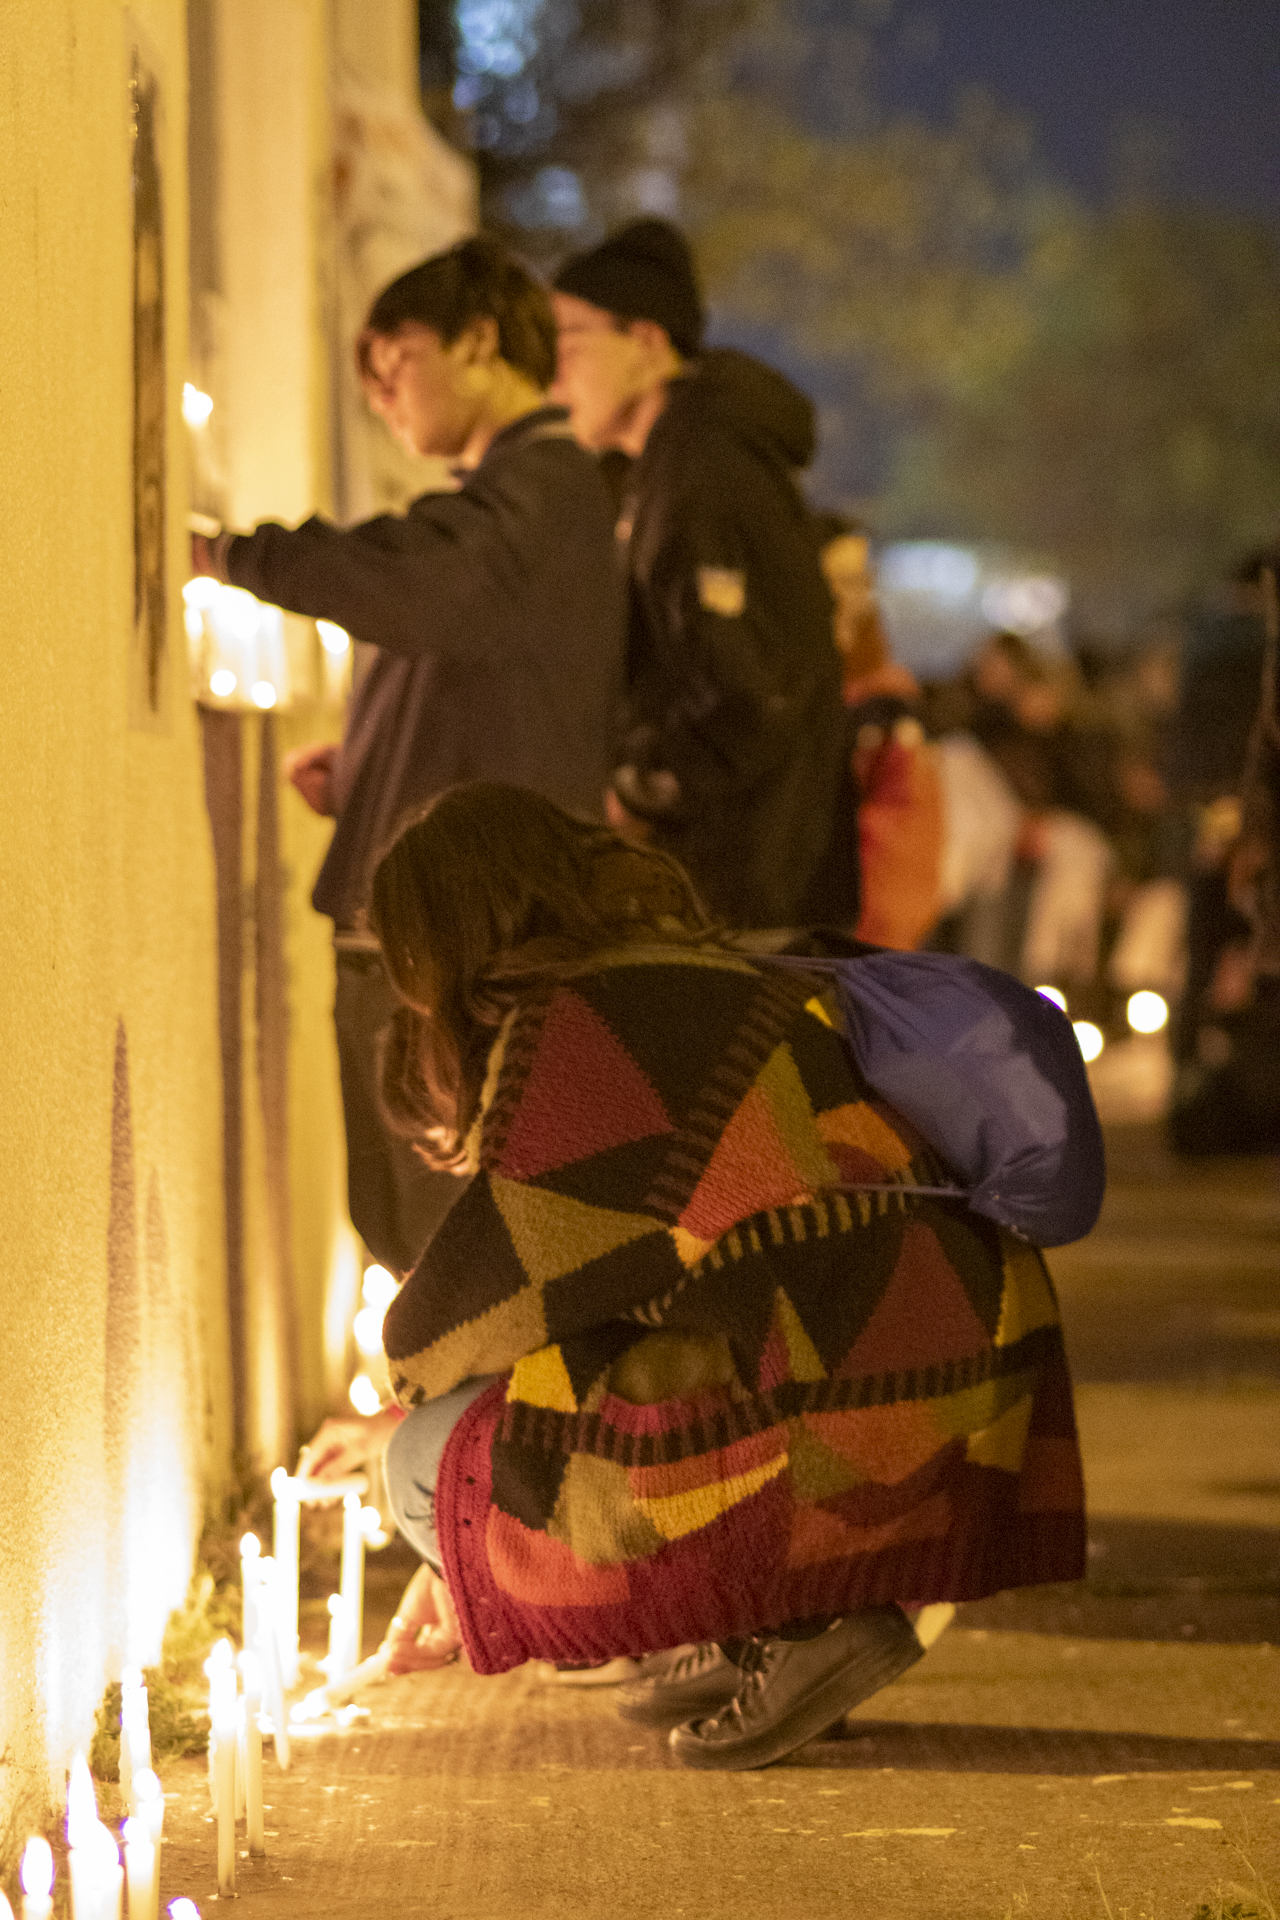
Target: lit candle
<point>150,1804</point>
<point>150,1799</point>
<point>250,1578</point>
<point>333,1663</point>
<point>268,1649</point>
<point>251,1667</point>
<point>220,1668</point>
<point>352,1582</point>
<point>285,1532</point>
<point>135,1733</point>
<point>140,1865</point>
<point>97,1880</point>
<point>241,1760</point>
<point>37,1879</point>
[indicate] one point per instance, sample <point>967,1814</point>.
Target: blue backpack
<point>988,1072</point>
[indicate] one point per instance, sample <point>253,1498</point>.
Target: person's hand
<point>629,825</point>
<point>345,1446</point>
<point>424,1634</point>
<point>310,770</point>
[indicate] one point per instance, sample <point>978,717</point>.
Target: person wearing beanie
<point>731,754</point>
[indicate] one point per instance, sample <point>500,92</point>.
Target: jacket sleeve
<point>467,1308</point>
<point>414,584</point>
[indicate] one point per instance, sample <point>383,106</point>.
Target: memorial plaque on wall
<point>149,666</point>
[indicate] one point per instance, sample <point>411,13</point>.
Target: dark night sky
<point>1203,75</point>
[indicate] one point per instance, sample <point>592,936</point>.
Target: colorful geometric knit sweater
<point>736,1395</point>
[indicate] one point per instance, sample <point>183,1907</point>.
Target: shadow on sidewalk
<point>876,1744</point>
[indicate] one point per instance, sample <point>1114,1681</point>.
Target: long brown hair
<point>489,895</point>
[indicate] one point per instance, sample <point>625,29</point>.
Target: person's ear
<point>477,344</point>
<point>654,340</point>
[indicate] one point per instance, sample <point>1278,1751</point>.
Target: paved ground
<point>1102,1752</point>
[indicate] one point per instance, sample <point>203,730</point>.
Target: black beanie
<point>643,272</point>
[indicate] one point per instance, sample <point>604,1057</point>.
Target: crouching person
<point>695,1359</point>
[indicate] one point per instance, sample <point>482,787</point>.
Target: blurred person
<point>664,1374</point>
<point>896,779</point>
<point>731,754</point>
<point>1227,1032</point>
<point>496,615</point>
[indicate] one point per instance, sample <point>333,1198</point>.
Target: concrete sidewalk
<point>1081,1753</point>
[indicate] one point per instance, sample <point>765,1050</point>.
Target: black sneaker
<point>680,1685</point>
<point>793,1690</point>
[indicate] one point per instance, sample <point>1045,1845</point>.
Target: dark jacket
<point>497,615</point>
<point>733,735</point>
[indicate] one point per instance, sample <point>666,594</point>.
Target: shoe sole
<point>652,1713</point>
<point>823,1707</point>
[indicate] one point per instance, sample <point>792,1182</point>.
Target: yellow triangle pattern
<point>803,1355</point>
<point>1027,1301</point>
<point>542,1379</point>
<point>819,1012</point>
<point>1004,1442</point>
<point>780,1083</point>
<point>554,1235</point>
<point>676,1514</point>
<point>689,1248</point>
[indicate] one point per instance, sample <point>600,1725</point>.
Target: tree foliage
<point>1095,384</point>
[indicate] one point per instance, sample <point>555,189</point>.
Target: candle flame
<point>146,1784</point>
<point>219,1659</point>
<point>335,1604</point>
<point>364,1397</point>
<point>379,1288</point>
<point>280,1483</point>
<point>37,1868</point>
<point>136,1832</point>
<point>250,1546</point>
<point>183,1910</point>
<point>82,1803</point>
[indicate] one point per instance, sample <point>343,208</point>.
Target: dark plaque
<point>150,400</point>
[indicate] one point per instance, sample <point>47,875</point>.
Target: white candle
<point>140,1865</point>
<point>37,1879</point>
<point>352,1582</point>
<point>250,1577</point>
<point>251,1667</point>
<point>268,1650</point>
<point>334,1662</point>
<point>135,1732</point>
<point>97,1881</point>
<point>285,1541</point>
<point>220,1668</point>
<point>150,1803</point>
<point>241,1759</point>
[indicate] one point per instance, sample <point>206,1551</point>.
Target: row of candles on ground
<point>93,1862</point>
<point>268,1665</point>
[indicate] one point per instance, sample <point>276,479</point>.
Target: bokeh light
<point>1058,998</point>
<point>1147,1012</point>
<point>1089,1038</point>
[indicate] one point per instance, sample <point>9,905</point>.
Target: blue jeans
<point>413,1461</point>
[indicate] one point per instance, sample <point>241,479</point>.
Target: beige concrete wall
<point>113,1363</point>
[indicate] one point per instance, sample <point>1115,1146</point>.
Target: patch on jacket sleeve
<point>722,590</point>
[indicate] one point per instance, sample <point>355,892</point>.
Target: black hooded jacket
<point>497,617</point>
<point>733,741</point>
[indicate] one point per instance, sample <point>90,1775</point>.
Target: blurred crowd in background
<point>1090,817</point>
